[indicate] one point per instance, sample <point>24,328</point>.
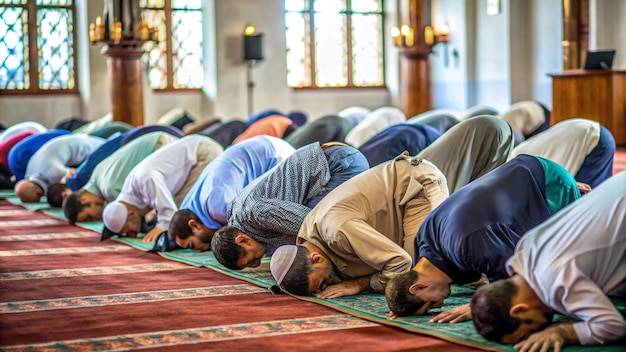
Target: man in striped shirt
<point>269,211</point>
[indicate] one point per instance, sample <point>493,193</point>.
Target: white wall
<point>449,61</point>
<point>47,111</point>
<point>521,53</point>
<point>491,80</point>
<point>608,28</point>
<point>503,58</point>
<point>547,49</point>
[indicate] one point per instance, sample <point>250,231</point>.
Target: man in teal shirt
<point>107,179</point>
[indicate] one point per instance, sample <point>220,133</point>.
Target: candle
<point>92,33</point>
<point>116,32</point>
<point>144,33</point>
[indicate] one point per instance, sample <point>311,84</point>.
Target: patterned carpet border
<point>200,335</point>
<point>371,307</point>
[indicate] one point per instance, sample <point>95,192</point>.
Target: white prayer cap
<point>114,216</point>
<point>281,262</point>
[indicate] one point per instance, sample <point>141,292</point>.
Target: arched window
<point>37,46</point>
<point>334,43</point>
<point>175,62</point>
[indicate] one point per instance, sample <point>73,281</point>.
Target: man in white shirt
<point>52,162</point>
<point>159,183</point>
<point>567,265</point>
<point>583,147</point>
<point>527,118</point>
<point>373,123</point>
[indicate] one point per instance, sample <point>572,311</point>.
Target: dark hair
<point>225,249</point>
<point>7,180</point>
<point>289,130</point>
<point>490,307</point>
<point>179,227</point>
<point>296,281</point>
<point>399,298</point>
<point>72,206</point>
<point>55,194</point>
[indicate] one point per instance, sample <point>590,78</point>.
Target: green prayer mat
<point>5,193</point>
<point>371,307</point>
<point>43,206</point>
<point>11,197</point>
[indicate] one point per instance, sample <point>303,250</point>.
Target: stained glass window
<point>334,43</point>
<point>175,62</point>
<point>37,58</point>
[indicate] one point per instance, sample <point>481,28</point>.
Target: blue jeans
<point>344,162</point>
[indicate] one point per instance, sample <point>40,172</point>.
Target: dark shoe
<point>163,243</point>
<point>106,234</point>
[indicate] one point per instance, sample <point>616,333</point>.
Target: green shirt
<point>561,187</point>
<point>109,175</point>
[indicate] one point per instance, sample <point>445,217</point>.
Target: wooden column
<point>575,33</point>
<point>125,83</point>
<point>415,70</point>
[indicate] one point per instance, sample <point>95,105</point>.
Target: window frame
<point>169,57</point>
<point>33,56</point>
<point>309,4</point>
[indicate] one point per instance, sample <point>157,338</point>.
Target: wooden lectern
<point>598,95</point>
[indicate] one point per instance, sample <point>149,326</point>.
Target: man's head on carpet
<point>500,314</point>
<point>118,218</point>
<point>302,272</point>
<point>56,193</point>
<point>83,206</point>
<point>189,232</point>
<point>236,250</point>
<point>413,294</point>
<point>28,191</point>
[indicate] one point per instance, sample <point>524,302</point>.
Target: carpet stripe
<point>31,223</point>
<point>24,252</point>
<point>204,335</point>
<point>12,212</point>
<point>128,298</point>
<point>48,236</point>
<point>103,270</point>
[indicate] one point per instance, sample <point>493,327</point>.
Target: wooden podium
<point>598,95</point>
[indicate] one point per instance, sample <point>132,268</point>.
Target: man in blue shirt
<point>475,231</point>
<point>269,212</point>
<point>205,207</point>
<point>20,154</point>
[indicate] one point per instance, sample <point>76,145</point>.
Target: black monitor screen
<point>599,60</point>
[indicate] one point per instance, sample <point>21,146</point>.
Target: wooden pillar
<point>125,83</point>
<point>575,33</point>
<point>415,70</point>
<point>583,30</point>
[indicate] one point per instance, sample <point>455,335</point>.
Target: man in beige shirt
<point>362,233</point>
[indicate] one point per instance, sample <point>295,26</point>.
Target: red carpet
<point>61,289</point>
<point>619,163</point>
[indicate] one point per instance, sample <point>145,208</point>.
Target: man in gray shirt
<point>567,265</point>
<point>269,211</point>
